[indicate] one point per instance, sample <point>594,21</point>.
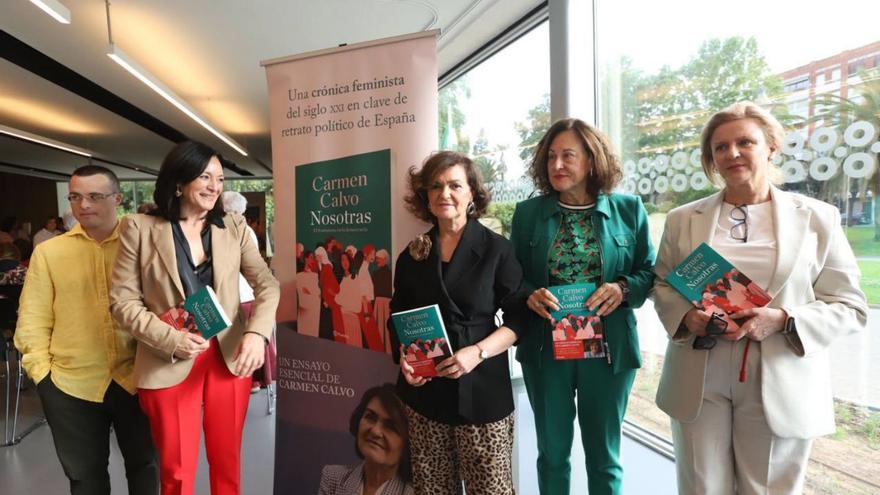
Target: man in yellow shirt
<point>81,361</point>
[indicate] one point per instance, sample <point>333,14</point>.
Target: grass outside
<point>870,280</point>
<point>862,241</point>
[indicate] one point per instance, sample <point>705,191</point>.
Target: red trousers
<point>175,413</point>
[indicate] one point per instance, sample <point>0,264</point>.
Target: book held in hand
<point>713,284</point>
<point>424,339</point>
<point>577,331</point>
<point>200,312</point>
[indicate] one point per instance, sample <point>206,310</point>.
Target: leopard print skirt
<point>443,456</point>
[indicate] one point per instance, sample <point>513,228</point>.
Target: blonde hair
<point>774,134</point>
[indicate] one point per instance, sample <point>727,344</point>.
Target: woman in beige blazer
<point>164,257</point>
<point>743,416</point>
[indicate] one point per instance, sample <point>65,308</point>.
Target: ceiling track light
<point>126,62</point>
<point>55,9</point>
<point>69,148</point>
<point>43,141</point>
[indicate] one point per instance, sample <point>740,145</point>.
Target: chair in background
<point>14,375</point>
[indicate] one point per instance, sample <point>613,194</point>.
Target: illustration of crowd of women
<point>433,349</point>
<point>344,294</point>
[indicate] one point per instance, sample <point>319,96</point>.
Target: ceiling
<point>208,52</point>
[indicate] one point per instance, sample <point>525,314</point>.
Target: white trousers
<point>729,448</point>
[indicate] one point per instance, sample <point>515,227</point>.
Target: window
<point>854,67</point>
<point>658,86</point>
<point>496,113</point>
<point>797,84</point>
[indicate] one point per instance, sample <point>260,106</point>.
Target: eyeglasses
<point>717,325</point>
<point>92,197</point>
<point>740,216</point>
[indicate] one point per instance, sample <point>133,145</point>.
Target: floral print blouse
<point>574,255</point>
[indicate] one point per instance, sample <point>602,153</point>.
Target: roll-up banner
<point>347,123</point>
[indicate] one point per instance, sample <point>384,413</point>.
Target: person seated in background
<point>7,225</point>
<point>381,438</point>
<point>49,230</point>
<point>12,272</point>
<point>68,220</point>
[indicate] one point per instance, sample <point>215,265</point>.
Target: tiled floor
<point>32,468</point>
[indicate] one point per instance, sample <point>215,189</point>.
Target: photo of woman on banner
<point>381,438</point>
<point>471,273</point>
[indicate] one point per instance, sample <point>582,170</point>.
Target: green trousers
<point>559,390</point>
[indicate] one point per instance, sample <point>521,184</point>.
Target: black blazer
<point>482,277</point>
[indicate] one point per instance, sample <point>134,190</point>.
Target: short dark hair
<point>605,164</point>
<point>89,170</point>
<point>420,180</point>
<point>395,408</point>
<point>183,164</point>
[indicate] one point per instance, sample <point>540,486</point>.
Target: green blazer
<point>625,245</point>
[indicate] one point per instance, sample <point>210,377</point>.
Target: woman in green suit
<point>578,231</point>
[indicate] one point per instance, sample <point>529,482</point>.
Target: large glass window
<point>663,72</point>
<point>496,113</point>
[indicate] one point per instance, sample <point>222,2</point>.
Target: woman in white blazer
<point>743,420</point>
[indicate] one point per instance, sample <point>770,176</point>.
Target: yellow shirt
<point>64,323</point>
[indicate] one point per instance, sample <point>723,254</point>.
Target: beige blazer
<point>146,284</point>
<point>815,280</point>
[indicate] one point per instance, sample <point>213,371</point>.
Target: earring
<point>178,193</point>
<point>471,209</point>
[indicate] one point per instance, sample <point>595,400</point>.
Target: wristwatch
<point>484,354</point>
<point>624,288</point>
<point>789,326</point>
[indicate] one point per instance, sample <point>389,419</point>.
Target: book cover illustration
<point>180,319</point>
<point>714,285</point>
<point>201,312</point>
<point>423,338</point>
<point>577,331</point>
